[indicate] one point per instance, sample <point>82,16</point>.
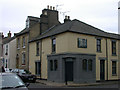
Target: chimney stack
<point>9,34</point>
<point>67,18</point>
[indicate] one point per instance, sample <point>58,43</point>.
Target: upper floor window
<point>18,43</point>
<point>82,43</point>
<point>114,68</point>
<point>23,42</point>
<point>98,45</point>
<point>113,47</point>
<point>53,45</point>
<point>6,50</point>
<point>37,48</point>
<point>23,58</point>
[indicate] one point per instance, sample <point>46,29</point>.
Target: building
<point>119,32</point>
<point>22,39</point>
<point>9,44</point>
<point>74,51</point>
<point>0,49</point>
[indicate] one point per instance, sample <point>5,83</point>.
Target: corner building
<point>73,51</point>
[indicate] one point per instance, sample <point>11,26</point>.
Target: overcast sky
<point>102,14</point>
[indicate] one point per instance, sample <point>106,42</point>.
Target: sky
<point>102,14</point>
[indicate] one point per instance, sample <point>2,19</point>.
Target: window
<point>82,43</point>
<point>18,43</point>
<point>53,45</point>
<point>113,47</point>
<point>37,48</point>
<point>23,58</point>
<point>6,50</point>
<point>84,65</point>
<point>51,65</point>
<point>55,64</point>
<point>114,68</point>
<point>23,42</point>
<point>90,65</point>
<point>98,45</point>
<point>37,68</point>
<point>87,65</point>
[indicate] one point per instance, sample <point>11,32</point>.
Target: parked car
<point>7,69</point>
<point>25,75</point>
<point>11,81</point>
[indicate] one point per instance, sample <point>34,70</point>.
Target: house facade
<point>74,51</point>
<point>9,44</point>
<point>0,49</point>
<point>22,39</point>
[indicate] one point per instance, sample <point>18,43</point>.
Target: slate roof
<point>76,26</point>
<point>22,32</point>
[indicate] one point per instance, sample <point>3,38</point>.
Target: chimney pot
<point>9,34</point>
<point>47,6</point>
<point>53,8</point>
<point>66,17</point>
<point>50,7</point>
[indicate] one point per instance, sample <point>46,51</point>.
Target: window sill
<point>23,46</point>
<point>23,64</point>
<point>114,74</point>
<point>37,55</point>
<point>99,51</point>
<point>18,48</point>
<point>114,55</point>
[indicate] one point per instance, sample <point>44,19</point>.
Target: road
<point>38,85</point>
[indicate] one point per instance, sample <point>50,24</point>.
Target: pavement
<point>71,84</point>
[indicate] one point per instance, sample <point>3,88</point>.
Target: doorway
<point>69,71</point>
<point>102,69</point>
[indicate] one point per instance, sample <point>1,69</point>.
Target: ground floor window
<point>114,68</point>
<point>53,65</point>
<point>87,65</point>
<point>37,68</point>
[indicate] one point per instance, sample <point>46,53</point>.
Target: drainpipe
<point>40,56</point>
<point>106,59</point>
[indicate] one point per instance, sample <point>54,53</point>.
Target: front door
<point>102,69</point>
<point>69,70</point>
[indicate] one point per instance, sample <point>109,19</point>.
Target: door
<point>69,71</point>
<point>102,69</point>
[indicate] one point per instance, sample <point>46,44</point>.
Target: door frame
<point>102,70</point>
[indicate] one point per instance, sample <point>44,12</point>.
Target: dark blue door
<point>69,71</point>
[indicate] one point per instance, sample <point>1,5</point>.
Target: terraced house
<point>22,45</point>
<point>73,51</point>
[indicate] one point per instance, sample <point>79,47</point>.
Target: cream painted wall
<point>32,57</point>
<point>46,49</point>
<point>67,42</point>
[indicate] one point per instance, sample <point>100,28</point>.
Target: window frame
<point>98,45</point>
<point>23,58</point>
<point>114,68</point>
<point>113,47</point>
<point>18,43</point>
<point>37,48</point>
<point>55,65</point>
<point>82,43</point>
<point>53,45</point>
<point>23,42</point>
